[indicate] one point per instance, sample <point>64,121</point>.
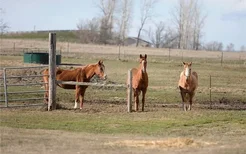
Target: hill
<point>62,35</point>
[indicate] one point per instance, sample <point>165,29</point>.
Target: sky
<point>225,21</point>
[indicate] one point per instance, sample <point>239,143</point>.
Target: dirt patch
<point>168,143</point>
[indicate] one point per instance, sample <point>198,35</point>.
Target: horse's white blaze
<point>75,104</point>
<point>143,68</point>
<point>187,72</point>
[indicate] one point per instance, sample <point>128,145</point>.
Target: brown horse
<point>82,74</point>
<point>140,81</point>
<point>188,83</point>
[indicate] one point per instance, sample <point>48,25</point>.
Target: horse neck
<point>189,78</point>
<point>140,72</point>
<point>89,71</point>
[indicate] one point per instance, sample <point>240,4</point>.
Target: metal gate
<point>21,86</point>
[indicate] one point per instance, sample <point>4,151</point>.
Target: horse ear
<point>190,64</point>
<point>183,63</point>
<point>145,56</point>
<point>100,62</point>
<point>141,56</point>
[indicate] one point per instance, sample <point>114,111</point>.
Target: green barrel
<point>39,58</point>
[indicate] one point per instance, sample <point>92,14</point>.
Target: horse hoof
<point>80,108</point>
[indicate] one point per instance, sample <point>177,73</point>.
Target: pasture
<point>104,125</point>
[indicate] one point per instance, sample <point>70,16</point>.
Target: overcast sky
<point>225,22</point>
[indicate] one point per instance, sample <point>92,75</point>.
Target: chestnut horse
<point>188,83</point>
<point>140,81</point>
<point>82,74</point>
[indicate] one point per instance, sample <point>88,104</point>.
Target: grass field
<point>42,35</point>
<point>104,125</point>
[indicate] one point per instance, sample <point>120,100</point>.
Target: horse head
<point>143,62</point>
<point>100,70</point>
<point>187,69</point>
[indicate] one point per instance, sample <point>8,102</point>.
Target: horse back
<point>67,75</point>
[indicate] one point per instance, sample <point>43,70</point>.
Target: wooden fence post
<point>169,54</point>
<point>119,53</point>
<point>210,90</point>
<point>67,47</point>
<point>52,72</point>
<point>14,47</point>
<point>129,91</point>
<point>222,57</point>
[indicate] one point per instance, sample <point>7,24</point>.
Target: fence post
<point>210,90</point>
<point>5,87</point>
<point>169,54</point>
<point>129,91</point>
<point>222,57</point>
<point>14,47</point>
<point>52,74</point>
<point>67,47</point>
<point>119,53</point>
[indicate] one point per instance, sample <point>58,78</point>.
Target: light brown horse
<point>188,83</point>
<point>140,81</point>
<point>82,74</point>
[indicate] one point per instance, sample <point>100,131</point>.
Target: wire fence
<point>69,49</point>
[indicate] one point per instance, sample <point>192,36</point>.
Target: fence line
<point>91,84</point>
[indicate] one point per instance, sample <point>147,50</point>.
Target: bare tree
<point>213,46</point>
<point>198,24</point>
<point>230,47</point>
<point>107,8</point>
<point>88,31</point>
<point>158,35</point>
<point>3,25</point>
<point>124,19</point>
<point>188,20</point>
<point>147,12</point>
<point>243,48</point>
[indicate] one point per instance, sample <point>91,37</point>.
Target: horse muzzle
<point>104,77</point>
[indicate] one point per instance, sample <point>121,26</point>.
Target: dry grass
<point>103,126</point>
<point>108,49</point>
<point>166,143</point>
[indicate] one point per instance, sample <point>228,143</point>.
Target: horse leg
<point>136,97</point>
<point>143,98</point>
<point>183,99</point>
<point>191,95</point>
<point>81,97</point>
<point>46,93</point>
<point>77,96</point>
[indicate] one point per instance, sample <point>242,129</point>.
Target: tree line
<point>113,24</point>
<point>115,20</point>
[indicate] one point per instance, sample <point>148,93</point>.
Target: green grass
<point>228,81</point>
<point>158,123</point>
<point>158,120</point>
<point>69,36</point>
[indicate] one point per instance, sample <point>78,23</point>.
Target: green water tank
<point>39,58</point>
